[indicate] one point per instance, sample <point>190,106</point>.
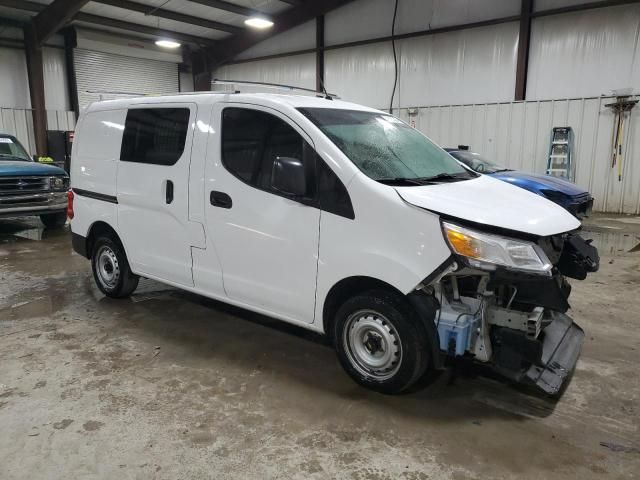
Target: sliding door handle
<point>169,192</point>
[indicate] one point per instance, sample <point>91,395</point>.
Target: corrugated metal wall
<point>14,91</point>
<point>475,65</point>
<point>56,92</point>
<point>19,122</point>
<point>587,53</point>
<point>517,135</point>
<point>299,70</point>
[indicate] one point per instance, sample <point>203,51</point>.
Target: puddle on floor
<point>614,243</point>
<point>36,307</point>
<point>27,228</point>
<point>12,229</point>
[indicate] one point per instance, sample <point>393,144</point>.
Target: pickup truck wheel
<point>111,269</point>
<point>381,342</point>
<point>54,220</point>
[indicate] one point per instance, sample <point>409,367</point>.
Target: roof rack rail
<point>328,96</point>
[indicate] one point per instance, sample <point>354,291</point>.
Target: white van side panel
<point>389,240</point>
<point>95,155</point>
<point>88,211</point>
<point>94,166</point>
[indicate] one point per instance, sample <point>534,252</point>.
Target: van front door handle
<point>169,192</point>
<point>220,199</point>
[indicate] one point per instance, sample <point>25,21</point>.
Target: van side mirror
<point>288,176</point>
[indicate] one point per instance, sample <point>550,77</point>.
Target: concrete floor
<point>170,385</point>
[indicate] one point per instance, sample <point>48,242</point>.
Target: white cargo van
<point>334,217</point>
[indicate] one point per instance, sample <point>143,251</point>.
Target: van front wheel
<point>381,342</point>
<point>111,269</point>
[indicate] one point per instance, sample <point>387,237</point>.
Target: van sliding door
<point>153,200</point>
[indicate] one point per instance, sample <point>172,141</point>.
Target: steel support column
<point>35,72</point>
<point>72,86</point>
<point>320,53</point>
<point>524,40</point>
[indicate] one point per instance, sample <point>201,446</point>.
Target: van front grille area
<point>10,186</point>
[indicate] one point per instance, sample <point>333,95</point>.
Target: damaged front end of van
<point>502,300</point>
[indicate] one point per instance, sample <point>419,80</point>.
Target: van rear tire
<point>111,270</point>
<point>380,341</point>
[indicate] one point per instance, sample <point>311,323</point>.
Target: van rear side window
<point>154,135</point>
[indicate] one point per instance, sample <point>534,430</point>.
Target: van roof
<point>275,99</point>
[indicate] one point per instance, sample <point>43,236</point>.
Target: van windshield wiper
<point>400,181</point>
<point>445,177</point>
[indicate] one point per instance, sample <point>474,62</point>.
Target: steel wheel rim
<point>107,267</point>
<point>372,344</point>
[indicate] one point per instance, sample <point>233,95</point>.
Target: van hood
<point>492,202</point>
<point>14,168</point>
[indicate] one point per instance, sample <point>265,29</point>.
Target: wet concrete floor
<point>170,385</point>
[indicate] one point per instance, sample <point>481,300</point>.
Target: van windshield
<point>385,148</point>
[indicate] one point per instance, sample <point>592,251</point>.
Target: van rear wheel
<point>111,270</point>
<point>381,342</point>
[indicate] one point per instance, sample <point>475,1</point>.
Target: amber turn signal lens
<point>462,244</point>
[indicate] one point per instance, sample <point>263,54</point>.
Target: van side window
<point>332,194</point>
<point>252,140</point>
<point>154,135</point>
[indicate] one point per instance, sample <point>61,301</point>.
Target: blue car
<point>29,188</point>
<point>566,194</point>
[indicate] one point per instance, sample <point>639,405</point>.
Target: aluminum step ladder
<point>560,162</point>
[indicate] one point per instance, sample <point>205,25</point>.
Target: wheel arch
<point>97,229</point>
<point>425,306</point>
<point>346,288</point>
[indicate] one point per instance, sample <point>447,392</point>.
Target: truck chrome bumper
<point>33,204</point>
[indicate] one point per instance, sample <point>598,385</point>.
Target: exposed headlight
<point>59,183</point>
<point>486,251</point>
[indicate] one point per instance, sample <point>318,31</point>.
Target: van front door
<point>266,241</point>
<point>153,203</point>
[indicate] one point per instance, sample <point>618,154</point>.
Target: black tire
<point>54,220</point>
<point>387,315</point>
<point>111,270</point>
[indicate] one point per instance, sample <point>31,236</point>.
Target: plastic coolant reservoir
<point>456,329</point>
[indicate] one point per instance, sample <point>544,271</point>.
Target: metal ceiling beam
<point>582,6</point>
<point>136,27</point>
<point>170,15</point>
<point>229,7</point>
<point>228,48</point>
<point>23,5</point>
<point>53,17</point>
<point>29,6</point>
<point>10,22</point>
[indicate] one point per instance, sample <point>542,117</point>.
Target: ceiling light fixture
<point>167,43</point>
<point>258,22</point>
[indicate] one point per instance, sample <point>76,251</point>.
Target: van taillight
<point>70,204</point>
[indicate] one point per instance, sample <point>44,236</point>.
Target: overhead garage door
<point>106,76</point>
